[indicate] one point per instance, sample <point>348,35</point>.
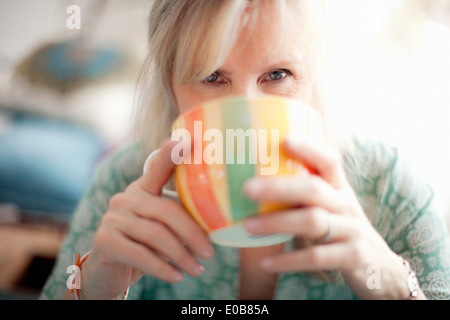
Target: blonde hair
<point>189,40</point>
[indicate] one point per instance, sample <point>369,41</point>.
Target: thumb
<point>158,169</point>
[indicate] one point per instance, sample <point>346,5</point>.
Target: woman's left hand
<point>326,209</point>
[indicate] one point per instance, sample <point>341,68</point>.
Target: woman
<point>352,220</point>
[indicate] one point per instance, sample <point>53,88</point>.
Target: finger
<point>169,213</point>
<point>319,157</point>
<point>320,257</point>
<point>128,252</point>
<point>306,190</point>
<point>160,239</point>
<point>175,216</point>
<point>312,223</point>
<point>158,169</point>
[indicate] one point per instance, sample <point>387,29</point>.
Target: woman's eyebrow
<point>223,71</point>
<point>288,64</point>
<point>284,64</point>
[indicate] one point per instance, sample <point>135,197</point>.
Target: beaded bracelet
<point>76,291</point>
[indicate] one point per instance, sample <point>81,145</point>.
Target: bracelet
<point>411,280</point>
<point>76,292</point>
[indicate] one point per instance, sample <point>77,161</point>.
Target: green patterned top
<point>397,202</point>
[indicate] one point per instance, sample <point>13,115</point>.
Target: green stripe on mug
<point>240,165</point>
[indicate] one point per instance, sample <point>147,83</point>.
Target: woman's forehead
<point>270,21</point>
<point>274,38</point>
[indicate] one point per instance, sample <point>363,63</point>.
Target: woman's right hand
<point>140,233</point>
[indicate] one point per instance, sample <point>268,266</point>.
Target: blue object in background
<point>46,165</point>
<point>66,61</point>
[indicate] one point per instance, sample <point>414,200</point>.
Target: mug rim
<point>214,102</point>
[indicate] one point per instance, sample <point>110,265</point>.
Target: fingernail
<point>252,224</point>
<point>290,141</point>
<point>207,251</point>
<point>177,276</point>
<point>288,138</point>
<point>198,269</point>
<point>149,159</point>
<point>266,263</point>
<point>252,187</point>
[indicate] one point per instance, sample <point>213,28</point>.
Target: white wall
<point>391,69</point>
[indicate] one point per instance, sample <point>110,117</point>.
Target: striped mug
<point>227,141</point>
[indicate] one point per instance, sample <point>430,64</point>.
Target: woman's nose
<point>247,89</point>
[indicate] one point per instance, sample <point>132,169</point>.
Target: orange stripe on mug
<point>198,178</point>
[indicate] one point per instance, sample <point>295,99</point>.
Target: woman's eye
<point>213,77</point>
<point>277,75</point>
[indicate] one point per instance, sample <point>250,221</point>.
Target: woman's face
<point>263,61</point>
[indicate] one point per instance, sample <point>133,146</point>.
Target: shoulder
<point>389,185</point>
<point>387,182</point>
<point>113,174</point>
<point>370,165</point>
<point>370,161</point>
<point>121,167</point>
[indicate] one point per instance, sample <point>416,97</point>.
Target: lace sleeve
<point>400,205</point>
<point>417,231</point>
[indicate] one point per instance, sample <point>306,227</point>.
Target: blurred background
<point>67,81</point>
